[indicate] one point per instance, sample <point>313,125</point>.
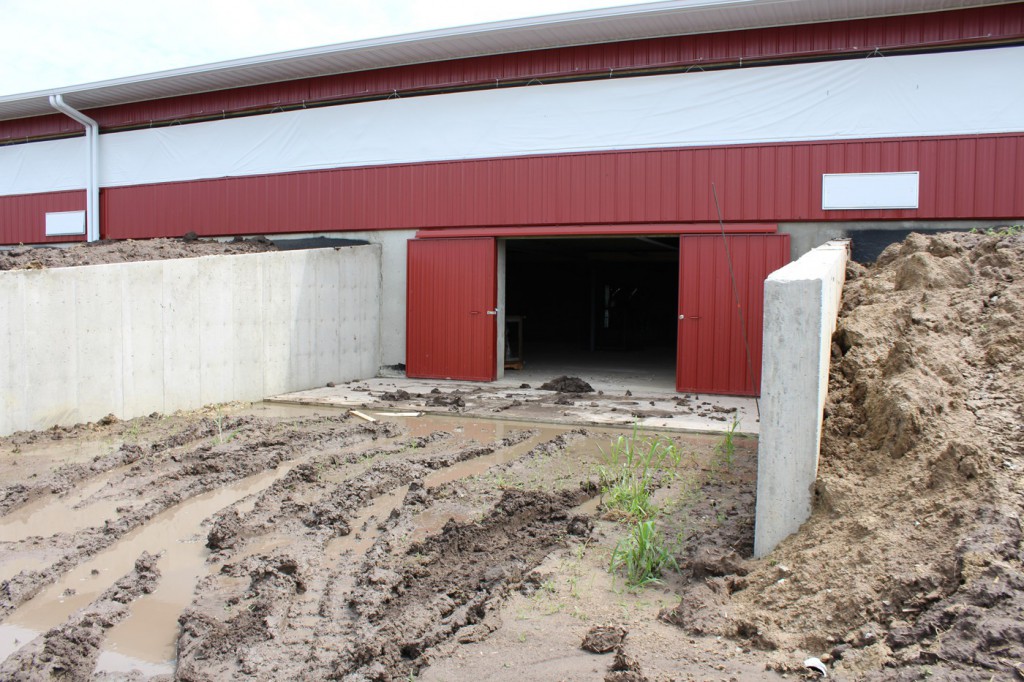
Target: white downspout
<point>92,140</point>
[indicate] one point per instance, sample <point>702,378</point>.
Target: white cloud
<point>65,42</point>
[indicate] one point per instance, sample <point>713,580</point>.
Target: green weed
<point>1001,231</point>
<point>627,474</point>
<point>643,555</point>
<point>726,448</point>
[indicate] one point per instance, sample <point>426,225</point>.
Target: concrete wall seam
<point>79,343</point>
<point>801,308</point>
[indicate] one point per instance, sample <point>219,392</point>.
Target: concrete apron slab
<point>608,405</point>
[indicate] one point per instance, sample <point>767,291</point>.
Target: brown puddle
<point>49,515</point>
<point>47,454</point>
<point>150,631</point>
<point>482,430</point>
<point>12,565</point>
<point>289,410</point>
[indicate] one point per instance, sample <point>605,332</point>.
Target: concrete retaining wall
<point>801,304</point>
<point>159,336</point>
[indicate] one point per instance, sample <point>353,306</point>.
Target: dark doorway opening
<point>605,305</point>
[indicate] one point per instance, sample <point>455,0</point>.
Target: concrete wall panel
<point>247,319</point>
<point>135,338</point>
<point>142,312</point>
<point>217,339</point>
<point>181,332</point>
<point>12,366</point>
<point>801,305</point>
<point>99,352</point>
<point>50,334</point>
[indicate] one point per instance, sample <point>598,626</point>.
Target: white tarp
<point>48,166</point>
<point>973,92</point>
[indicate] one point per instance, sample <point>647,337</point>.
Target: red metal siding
<point>712,351</point>
<point>617,229</point>
<point>960,27</point>
<point>451,286</point>
<point>961,178</point>
<point>23,218</point>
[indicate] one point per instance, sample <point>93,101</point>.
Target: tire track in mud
<point>64,479</point>
<point>70,650</point>
<point>406,605</point>
<point>294,610</point>
<point>175,476</point>
<point>275,596</point>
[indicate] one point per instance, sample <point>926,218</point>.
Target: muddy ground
<point>267,542</point>
<point>97,253</point>
<point>277,542</point>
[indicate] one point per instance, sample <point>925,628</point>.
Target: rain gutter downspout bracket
<point>92,138</point>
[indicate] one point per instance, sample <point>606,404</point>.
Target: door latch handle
<point>692,317</point>
<point>492,312</point>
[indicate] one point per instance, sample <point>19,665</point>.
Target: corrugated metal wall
<point>23,218</point>
<point>713,337</point>
<point>451,286</point>
<point>970,26</point>
<point>961,178</point>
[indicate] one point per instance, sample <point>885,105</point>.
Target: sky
<point>55,43</point>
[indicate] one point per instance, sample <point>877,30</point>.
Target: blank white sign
<point>65,223</point>
<point>869,190</point>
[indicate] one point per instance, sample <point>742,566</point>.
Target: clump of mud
<point>913,554</point>
<point>567,384</point>
<point>601,639</point>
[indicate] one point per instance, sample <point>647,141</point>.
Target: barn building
<point>605,184</point>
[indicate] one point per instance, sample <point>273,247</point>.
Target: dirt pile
<point>911,563</point>
<point>96,253</point>
<point>567,384</point>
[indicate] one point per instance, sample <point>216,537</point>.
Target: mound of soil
<point>566,384</point>
<point>912,562</point>
<point>95,253</point>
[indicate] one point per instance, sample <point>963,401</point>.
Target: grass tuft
<point>726,448</point>
<point>643,555</point>
<point>627,474</point>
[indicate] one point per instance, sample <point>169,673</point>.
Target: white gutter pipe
<point>92,140</point>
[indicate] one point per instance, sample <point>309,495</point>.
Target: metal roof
<point>650,20</point>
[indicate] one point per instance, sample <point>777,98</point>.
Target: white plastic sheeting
<point>955,93</point>
<point>48,166</point>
